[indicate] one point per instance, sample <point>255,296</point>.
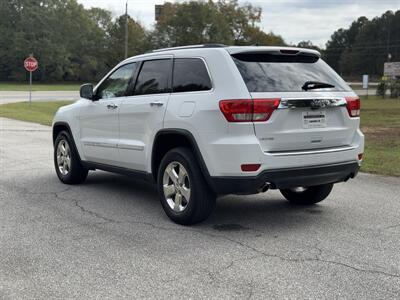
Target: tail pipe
<point>265,187</point>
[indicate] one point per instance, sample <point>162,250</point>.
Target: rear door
<point>307,118</point>
<point>142,113</point>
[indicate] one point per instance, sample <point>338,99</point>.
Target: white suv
<point>209,120</point>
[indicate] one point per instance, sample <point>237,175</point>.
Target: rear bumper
<point>286,178</point>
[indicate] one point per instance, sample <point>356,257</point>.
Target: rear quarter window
<point>264,72</point>
<point>153,77</point>
<point>190,75</point>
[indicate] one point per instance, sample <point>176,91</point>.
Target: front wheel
<point>67,163</point>
<point>184,194</point>
<point>307,195</point>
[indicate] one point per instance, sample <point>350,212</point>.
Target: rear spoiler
<point>273,51</point>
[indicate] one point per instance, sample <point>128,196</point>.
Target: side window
<point>190,75</point>
<point>153,77</point>
<point>117,83</point>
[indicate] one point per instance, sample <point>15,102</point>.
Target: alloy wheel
<point>176,186</point>
<point>64,157</point>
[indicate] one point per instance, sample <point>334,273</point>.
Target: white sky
<point>294,20</point>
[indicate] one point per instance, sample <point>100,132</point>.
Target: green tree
<point>341,40</point>
<point>67,41</point>
<point>102,18</point>
<point>308,45</point>
<point>77,44</point>
<point>371,46</point>
<point>137,38</point>
<point>364,46</point>
<point>255,36</point>
<point>198,22</point>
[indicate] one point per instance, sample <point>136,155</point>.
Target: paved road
<point>109,237</point>
<point>11,97</point>
<point>370,92</point>
<point>370,84</point>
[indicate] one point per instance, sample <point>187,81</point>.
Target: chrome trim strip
<point>307,152</point>
<point>131,147</point>
<point>313,103</point>
<point>119,146</point>
<point>103,145</point>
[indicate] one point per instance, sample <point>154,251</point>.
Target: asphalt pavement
<point>109,237</point>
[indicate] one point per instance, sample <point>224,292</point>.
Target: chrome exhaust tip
<point>265,187</point>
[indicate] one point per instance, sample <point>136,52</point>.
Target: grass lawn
<point>39,112</point>
<point>380,122</point>
<point>12,86</point>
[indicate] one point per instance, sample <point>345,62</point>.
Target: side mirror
<point>86,91</point>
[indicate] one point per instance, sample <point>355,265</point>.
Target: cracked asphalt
<point>109,238</point>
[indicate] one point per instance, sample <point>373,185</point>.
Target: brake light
<point>290,52</point>
<point>237,110</point>
<point>353,106</point>
<point>247,110</point>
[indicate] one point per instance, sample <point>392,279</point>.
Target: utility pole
<point>126,29</point>
<point>389,56</point>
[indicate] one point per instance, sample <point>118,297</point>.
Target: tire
<point>67,163</point>
<point>179,164</point>
<point>307,195</point>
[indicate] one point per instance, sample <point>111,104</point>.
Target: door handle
<point>112,106</point>
<point>157,103</point>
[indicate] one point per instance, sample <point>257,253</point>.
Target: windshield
<point>263,72</point>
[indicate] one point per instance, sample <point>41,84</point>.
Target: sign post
<point>31,65</point>
<point>365,83</point>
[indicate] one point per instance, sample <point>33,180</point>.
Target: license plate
<point>314,119</point>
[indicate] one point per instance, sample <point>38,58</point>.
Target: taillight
<point>257,110</point>
<point>353,106</point>
<point>263,109</point>
<point>237,110</point>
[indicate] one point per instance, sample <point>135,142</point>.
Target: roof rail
<point>191,47</point>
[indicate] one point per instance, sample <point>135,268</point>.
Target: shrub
<point>382,88</point>
<point>395,88</point>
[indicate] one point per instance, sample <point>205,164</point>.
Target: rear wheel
<point>184,194</point>
<point>67,163</point>
<point>307,195</point>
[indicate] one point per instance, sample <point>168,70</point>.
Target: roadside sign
<point>31,65</point>
<point>365,81</point>
<point>158,9</point>
<point>392,69</point>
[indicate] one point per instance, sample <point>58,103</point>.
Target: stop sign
<point>31,64</point>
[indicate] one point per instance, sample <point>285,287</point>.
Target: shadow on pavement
<point>231,213</point>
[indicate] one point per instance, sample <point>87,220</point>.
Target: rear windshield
<point>263,72</point>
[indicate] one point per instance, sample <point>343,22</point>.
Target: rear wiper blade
<point>311,85</point>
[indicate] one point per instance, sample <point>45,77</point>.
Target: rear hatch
<point>312,113</point>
